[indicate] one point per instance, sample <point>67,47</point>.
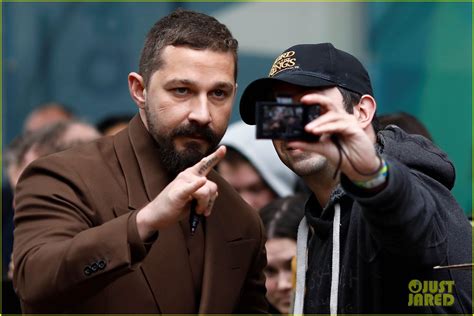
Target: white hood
<point>262,154</point>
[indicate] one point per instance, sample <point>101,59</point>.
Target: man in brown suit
<point>105,227</point>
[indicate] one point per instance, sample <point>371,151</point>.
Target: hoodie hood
<point>417,152</point>
<point>262,155</point>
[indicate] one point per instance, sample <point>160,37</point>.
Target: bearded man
<point>107,227</point>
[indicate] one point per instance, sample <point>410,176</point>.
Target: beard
<point>304,164</point>
<point>173,160</point>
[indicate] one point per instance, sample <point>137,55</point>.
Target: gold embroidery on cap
<point>284,61</point>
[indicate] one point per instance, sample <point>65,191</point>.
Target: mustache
<point>195,130</point>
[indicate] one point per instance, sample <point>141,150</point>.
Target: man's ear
<point>137,89</point>
<point>235,92</point>
<point>366,110</point>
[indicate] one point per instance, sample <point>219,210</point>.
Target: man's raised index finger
<point>207,163</point>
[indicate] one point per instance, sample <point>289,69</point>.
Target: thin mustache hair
<point>195,130</point>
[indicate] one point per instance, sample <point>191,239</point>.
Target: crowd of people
<point>173,211</point>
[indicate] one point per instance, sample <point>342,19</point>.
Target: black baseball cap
<point>307,65</point>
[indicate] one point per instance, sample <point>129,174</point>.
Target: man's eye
<point>181,91</point>
<point>219,93</point>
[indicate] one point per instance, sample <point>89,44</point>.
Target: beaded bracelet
<point>379,178</point>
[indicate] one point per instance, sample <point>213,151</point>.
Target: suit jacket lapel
<point>169,275</point>
<point>131,171</point>
<point>222,268</point>
<point>166,267</point>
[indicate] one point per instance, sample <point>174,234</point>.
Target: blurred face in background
<point>280,252</point>
<point>247,182</point>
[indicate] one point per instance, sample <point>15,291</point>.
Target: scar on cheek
<point>206,165</point>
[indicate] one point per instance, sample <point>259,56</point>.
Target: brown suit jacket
<point>77,248</point>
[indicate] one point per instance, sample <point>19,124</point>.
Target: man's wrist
<point>378,179</point>
<point>145,231</point>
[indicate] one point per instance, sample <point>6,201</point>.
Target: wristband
<point>379,178</point>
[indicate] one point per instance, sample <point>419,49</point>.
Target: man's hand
<point>352,138</point>
<point>173,203</point>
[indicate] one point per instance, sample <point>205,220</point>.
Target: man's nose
<point>199,112</point>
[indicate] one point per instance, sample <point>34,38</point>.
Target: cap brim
<point>261,90</point>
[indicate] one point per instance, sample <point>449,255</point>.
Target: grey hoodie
<point>262,156</point>
<point>381,255</point>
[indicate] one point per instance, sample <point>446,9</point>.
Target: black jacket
<point>389,239</point>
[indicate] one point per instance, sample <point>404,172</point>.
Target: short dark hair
<point>282,217</point>
<point>351,99</point>
<point>189,29</point>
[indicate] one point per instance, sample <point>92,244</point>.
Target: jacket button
<point>101,264</point>
<point>94,267</point>
<point>87,271</point>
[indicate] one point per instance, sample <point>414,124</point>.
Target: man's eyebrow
<point>179,82</point>
<point>224,85</point>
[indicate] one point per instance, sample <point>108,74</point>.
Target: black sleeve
<point>407,217</point>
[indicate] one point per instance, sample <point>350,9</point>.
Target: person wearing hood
<point>382,232</point>
<point>252,167</point>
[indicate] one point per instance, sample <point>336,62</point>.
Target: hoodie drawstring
<point>335,260</point>
<point>302,260</point>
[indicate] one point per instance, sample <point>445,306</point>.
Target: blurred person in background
<point>406,122</point>
<point>47,114</point>
<point>281,219</point>
<point>43,115</point>
<point>44,141</point>
<point>20,153</point>
<point>253,168</point>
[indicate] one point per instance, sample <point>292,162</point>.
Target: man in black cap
<point>381,225</point>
